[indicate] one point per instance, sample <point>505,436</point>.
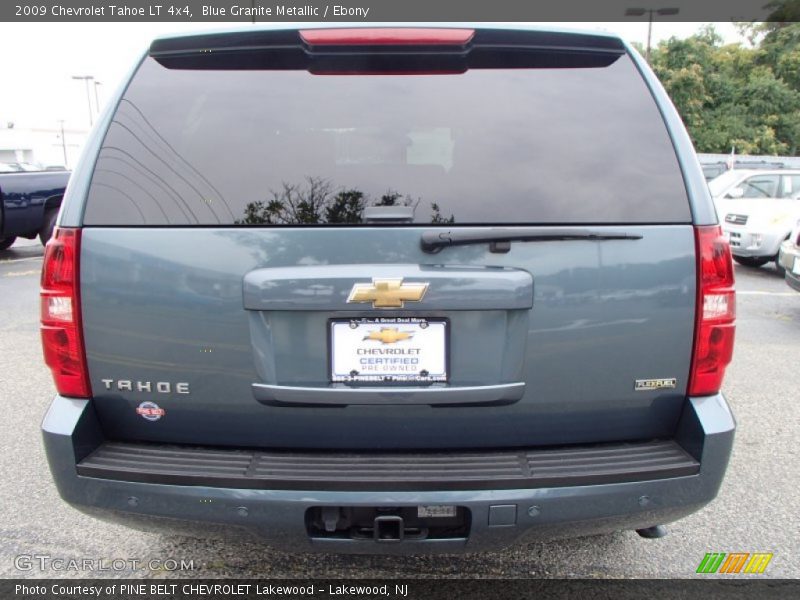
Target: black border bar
<point>373,11</point>
<point>742,587</point>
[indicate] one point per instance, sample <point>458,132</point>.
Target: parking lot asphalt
<point>756,511</point>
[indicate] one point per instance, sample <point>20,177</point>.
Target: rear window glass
<point>488,146</point>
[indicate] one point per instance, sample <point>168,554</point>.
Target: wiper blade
<point>500,239</point>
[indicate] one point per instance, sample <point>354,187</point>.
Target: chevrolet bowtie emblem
<point>389,335</point>
<point>387,293</point>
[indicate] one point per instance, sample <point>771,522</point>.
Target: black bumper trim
<point>417,471</point>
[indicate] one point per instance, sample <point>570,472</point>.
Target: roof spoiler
<point>382,50</point>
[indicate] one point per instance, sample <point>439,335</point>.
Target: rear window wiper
<point>500,239</point>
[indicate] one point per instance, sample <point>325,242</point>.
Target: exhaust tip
<point>652,533</point>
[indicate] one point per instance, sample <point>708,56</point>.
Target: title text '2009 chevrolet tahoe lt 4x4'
<point>389,290</point>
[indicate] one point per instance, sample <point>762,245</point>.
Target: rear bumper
<point>753,244</point>
<point>500,515</point>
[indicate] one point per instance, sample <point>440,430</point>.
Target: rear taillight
<point>62,336</point>
<point>716,312</point>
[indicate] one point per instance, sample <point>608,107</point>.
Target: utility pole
<point>63,143</point>
<point>96,97</point>
<point>86,79</point>
<point>639,12</point>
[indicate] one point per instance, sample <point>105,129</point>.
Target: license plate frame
<point>796,265</point>
<point>436,327</point>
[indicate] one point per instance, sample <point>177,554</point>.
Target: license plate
<point>394,349</point>
<point>796,265</point>
<point>436,511</point>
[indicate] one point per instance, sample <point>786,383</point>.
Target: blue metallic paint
<point>176,313</point>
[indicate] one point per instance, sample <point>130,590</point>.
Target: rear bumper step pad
<point>413,471</point>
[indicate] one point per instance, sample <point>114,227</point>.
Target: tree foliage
<point>747,97</point>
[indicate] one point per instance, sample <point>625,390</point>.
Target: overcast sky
<point>39,60</point>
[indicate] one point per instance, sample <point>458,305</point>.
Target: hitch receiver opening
<point>389,528</point>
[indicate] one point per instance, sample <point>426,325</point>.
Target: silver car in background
<point>789,258</point>
<point>758,210</point>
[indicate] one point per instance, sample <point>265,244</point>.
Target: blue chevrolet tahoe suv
<point>389,290</point>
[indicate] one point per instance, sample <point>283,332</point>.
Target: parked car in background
<point>790,257</point>
<point>758,210</point>
<point>29,203</point>
<point>712,170</point>
<point>24,166</point>
<point>755,183</point>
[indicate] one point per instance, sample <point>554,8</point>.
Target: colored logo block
<point>734,563</point>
